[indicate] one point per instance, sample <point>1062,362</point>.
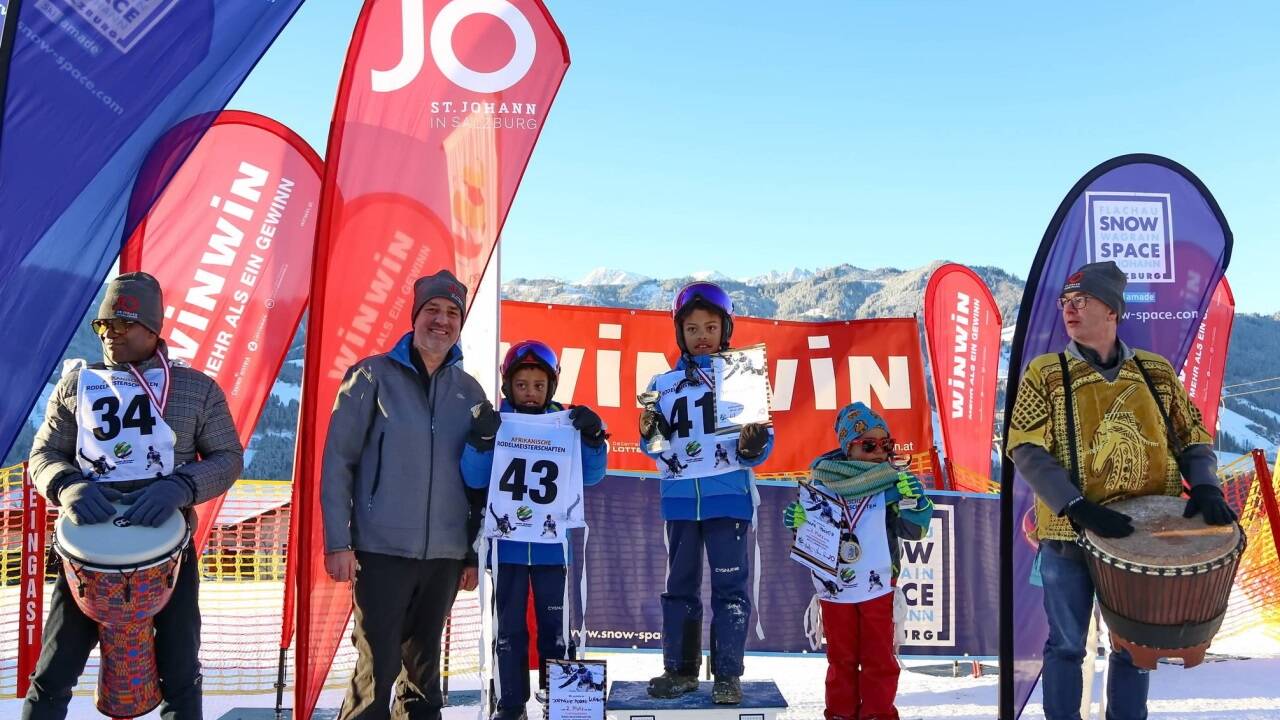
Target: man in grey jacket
<point>102,411</point>
<point>398,522</point>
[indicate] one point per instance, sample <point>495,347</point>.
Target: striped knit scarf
<point>855,479</point>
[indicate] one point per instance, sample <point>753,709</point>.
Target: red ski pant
<point>862,671</point>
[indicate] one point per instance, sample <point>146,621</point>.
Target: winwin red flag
<point>230,240</point>
<point>962,326</point>
<point>1206,364</point>
<point>438,110</point>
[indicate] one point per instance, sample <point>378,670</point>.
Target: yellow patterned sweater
<point>1122,447</point>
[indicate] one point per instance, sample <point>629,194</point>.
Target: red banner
<point>608,355</point>
<point>962,327</point>
<point>230,240</point>
<point>438,110</point>
<point>1206,364</point>
<point>35,527</point>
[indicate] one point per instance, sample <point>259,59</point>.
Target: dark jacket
<point>391,482</point>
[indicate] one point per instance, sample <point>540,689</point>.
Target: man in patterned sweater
<point>1133,432</point>
<point>138,399</point>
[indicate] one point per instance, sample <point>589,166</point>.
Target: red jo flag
<point>438,110</point>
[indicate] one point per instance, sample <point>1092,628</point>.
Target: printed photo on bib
<point>535,492</point>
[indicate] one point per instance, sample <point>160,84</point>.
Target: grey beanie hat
<point>1103,280</point>
<point>135,297</point>
<point>441,285</point>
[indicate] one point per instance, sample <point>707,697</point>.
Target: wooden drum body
<point>121,575</point>
<point>1164,589</point>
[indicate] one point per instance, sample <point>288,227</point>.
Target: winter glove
<point>1105,522</point>
<point>751,440</point>
<point>587,422</point>
<point>1207,499</point>
<point>793,516</point>
<point>87,502</point>
<point>653,424</point>
<point>153,504</point>
<point>913,506</point>
<point>485,422</point>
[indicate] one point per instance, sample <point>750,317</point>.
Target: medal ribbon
<point>158,403</point>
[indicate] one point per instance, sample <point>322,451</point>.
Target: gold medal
<point>850,551</point>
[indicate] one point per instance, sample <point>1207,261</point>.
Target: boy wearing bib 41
<point>707,501</point>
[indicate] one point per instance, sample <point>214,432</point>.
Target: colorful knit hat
<point>854,420</point>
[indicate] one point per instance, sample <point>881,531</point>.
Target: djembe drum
<point>1163,590</point>
<point>121,575</point>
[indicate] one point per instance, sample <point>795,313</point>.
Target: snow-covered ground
<point>1230,689</point>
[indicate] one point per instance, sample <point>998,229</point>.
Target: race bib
<point>535,491</point>
<point>121,434</point>
<point>688,401</point>
<point>869,574</point>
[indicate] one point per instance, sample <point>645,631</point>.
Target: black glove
<point>88,503</point>
<point>1105,522</point>
<point>155,503</point>
<point>1208,500</point>
<point>587,422</point>
<point>752,439</point>
<point>652,424</point>
<point>485,422</point>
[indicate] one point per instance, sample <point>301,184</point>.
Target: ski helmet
<point>531,353</point>
<point>706,295</point>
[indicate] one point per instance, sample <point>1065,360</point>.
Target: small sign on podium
<point>576,689</point>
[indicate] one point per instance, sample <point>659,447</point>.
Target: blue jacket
<point>477,467</point>
<point>703,498</point>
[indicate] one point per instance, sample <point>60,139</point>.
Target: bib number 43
<point>513,481</point>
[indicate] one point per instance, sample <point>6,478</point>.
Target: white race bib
<point>535,491</point>
<point>121,434</point>
<point>871,575</point>
<point>689,404</point>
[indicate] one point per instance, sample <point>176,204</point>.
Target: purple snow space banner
<point>90,86</point>
<point>1159,223</point>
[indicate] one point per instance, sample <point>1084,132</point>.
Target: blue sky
<point>744,138</point>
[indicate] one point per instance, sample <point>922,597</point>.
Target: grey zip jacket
<point>392,481</point>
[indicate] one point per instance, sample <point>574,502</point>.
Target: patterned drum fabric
<point>121,587</point>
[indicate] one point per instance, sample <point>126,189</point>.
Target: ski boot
<point>671,684</point>
<point>726,690</point>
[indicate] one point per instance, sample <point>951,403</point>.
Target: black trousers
<point>400,608</point>
<point>69,637</point>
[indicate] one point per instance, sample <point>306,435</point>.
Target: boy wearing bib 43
<point>530,371</point>
<point>857,609</point>
<point>707,501</point>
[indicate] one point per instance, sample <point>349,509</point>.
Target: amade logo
<point>442,29</point>
<point>1133,229</point>
<point>123,22</point>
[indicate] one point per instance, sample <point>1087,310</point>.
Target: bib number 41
<point>513,481</point>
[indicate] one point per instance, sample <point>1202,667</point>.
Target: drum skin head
<point>112,544</point>
<point>1162,538</point>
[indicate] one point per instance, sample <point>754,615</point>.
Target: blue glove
<point>153,504</point>
<point>794,516</point>
<point>88,503</point>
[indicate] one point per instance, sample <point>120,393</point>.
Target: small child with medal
<point>884,503</point>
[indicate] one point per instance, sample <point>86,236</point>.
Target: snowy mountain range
<point>839,292</point>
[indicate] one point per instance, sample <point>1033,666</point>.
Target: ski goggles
<point>116,326</point>
<point>708,292</point>
<point>527,351</point>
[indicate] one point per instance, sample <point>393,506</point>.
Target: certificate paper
<point>817,543</point>
<point>742,388</point>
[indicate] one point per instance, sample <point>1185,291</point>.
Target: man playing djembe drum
<point>134,399</point>
<point>1133,432</point>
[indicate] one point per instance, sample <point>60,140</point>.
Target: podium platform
<point>761,700</point>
